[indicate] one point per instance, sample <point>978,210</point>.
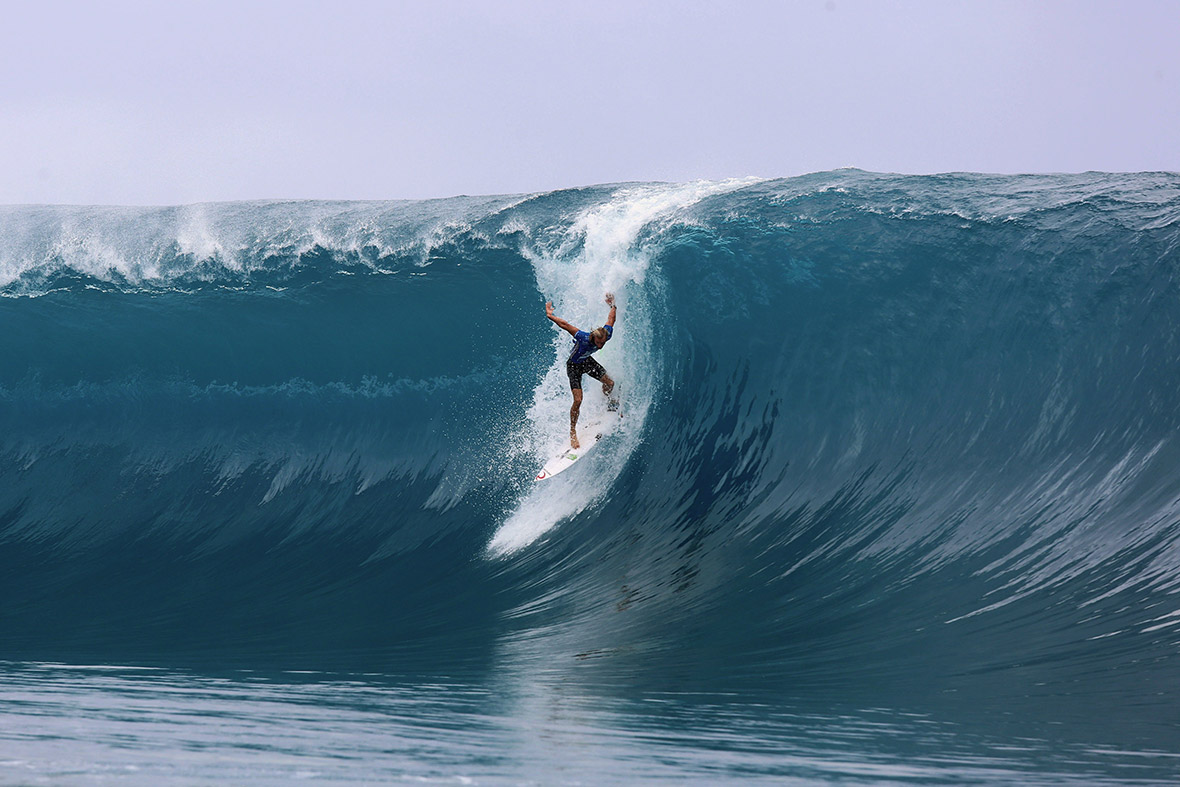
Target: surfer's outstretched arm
<point>565,326</point>
<point>610,301</point>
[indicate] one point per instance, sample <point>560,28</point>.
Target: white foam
<point>154,246</point>
<point>196,237</point>
<point>600,253</point>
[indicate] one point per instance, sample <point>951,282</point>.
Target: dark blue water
<point>896,496</point>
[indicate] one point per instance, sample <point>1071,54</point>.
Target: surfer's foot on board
<point>574,440</point>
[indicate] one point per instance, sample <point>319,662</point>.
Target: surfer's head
<point>599,337</point>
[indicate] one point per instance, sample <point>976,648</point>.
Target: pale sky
<point>177,102</point>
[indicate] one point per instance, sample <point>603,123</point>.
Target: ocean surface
<point>895,498</point>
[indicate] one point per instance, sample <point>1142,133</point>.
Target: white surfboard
<point>566,458</point>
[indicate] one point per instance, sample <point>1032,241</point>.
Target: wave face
<point>905,441</point>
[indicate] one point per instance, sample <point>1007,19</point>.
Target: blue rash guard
<point>584,347</point>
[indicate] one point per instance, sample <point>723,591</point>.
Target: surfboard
<point>566,459</point>
<point>599,425</point>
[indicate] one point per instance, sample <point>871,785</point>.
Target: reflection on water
<point>89,725</point>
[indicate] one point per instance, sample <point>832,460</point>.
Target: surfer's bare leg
<point>608,385</point>
<point>574,418</point>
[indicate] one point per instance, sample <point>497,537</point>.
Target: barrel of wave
<point>604,250</point>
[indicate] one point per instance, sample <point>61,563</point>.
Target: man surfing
<point>585,344</point>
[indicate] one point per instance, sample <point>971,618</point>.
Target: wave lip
<point>212,242</point>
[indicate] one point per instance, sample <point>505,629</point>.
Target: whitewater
<point>896,499</point>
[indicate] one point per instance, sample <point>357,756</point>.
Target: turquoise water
<point>895,499</point>
<point>95,724</point>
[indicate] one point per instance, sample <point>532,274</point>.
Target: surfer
<point>580,362</point>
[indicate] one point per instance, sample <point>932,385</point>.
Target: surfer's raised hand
<point>565,326</point>
<point>610,299</point>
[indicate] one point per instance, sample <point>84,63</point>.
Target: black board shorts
<point>576,370</point>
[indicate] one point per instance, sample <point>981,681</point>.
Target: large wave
<point>913,432</point>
